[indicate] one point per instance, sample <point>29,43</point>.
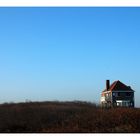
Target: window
<point>124,103</point>
<point>119,94</point>
<point>128,94</point>
<point>119,104</point>
<point>114,94</point>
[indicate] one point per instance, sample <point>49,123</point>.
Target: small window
<point>131,104</point>
<point>119,94</point>
<point>119,104</point>
<point>128,94</point>
<point>114,94</point>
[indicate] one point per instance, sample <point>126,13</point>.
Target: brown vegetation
<point>67,117</point>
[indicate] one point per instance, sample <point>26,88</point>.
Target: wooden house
<point>117,95</point>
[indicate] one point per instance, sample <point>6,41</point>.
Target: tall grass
<point>67,117</point>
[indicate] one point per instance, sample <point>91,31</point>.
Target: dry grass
<point>67,117</point>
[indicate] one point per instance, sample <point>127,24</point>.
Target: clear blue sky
<point>67,53</point>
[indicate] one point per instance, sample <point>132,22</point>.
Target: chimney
<point>107,85</point>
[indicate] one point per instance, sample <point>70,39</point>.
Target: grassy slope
<point>66,117</point>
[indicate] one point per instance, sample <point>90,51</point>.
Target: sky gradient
<point>67,53</point>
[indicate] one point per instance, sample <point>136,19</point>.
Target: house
<point>117,95</point>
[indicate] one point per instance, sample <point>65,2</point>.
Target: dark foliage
<point>67,117</point>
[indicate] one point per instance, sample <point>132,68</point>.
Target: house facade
<point>117,95</point>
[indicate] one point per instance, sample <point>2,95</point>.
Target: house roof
<point>119,86</point>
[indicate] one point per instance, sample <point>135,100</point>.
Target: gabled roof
<point>119,86</point>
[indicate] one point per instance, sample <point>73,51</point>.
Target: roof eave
<point>123,90</point>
